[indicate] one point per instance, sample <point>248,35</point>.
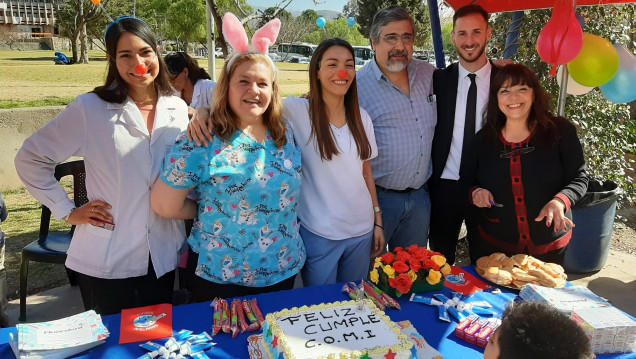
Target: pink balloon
<point>561,40</point>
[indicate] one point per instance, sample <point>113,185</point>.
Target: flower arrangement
<point>410,270</point>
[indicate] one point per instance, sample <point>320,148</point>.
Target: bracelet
<point>379,226</point>
<point>65,218</point>
<point>376,209</point>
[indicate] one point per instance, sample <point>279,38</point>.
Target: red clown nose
<point>141,69</point>
<point>343,74</point>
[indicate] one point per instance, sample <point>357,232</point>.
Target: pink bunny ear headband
<point>261,41</point>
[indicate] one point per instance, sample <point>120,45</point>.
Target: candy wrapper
<point>234,324</point>
<point>216,318</point>
<point>254,324</point>
<point>257,311</point>
<point>225,317</point>
<point>242,323</point>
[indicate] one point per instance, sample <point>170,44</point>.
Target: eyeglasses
<point>393,39</point>
<point>173,77</point>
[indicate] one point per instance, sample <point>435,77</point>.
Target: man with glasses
<point>462,94</point>
<point>396,91</point>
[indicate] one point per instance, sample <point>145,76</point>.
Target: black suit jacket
<point>445,88</point>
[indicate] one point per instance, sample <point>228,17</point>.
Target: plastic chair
<point>51,248</point>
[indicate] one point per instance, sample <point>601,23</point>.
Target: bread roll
<point>498,256</point>
<point>520,259</point>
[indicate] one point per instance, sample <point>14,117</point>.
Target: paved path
<point>616,282</point>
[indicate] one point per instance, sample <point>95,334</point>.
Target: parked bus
<point>289,50</point>
<point>363,54</point>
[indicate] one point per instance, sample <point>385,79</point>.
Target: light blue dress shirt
<point>404,125</point>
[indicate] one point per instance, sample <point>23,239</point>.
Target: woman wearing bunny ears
<point>124,252</point>
<point>338,205</point>
<point>245,240</point>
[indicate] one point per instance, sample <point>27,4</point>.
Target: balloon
<point>574,88</point>
<point>596,64</point>
<point>96,2</point>
<point>141,69</point>
<point>622,87</point>
<point>351,21</point>
<point>343,74</point>
<point>321,22</point>
<point>561,39</point>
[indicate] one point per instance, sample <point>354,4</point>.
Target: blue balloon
<point>321,22</point>
<point>351,21</point>
<point>622,87</point>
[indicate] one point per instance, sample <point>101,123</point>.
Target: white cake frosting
<point>334,330</point>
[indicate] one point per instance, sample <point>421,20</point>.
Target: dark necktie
<point>471,112</point>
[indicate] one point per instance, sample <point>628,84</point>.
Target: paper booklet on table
<point>146,323</point>
<point>65,337</point>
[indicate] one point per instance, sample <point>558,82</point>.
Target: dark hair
<point>225,121</point>
<point>540,119</point>
<point>177,61</point>
<point>469,10</point>
<point>387,15</point>
<point>320,126</point>
<point>531,330</point>
<point>116,89</point>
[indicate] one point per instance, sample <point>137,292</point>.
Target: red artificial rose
<point>435,254</point>
<point>412,248</point>
<point>398,249</point>
<point>388,258</point>
<point>415,265</point>
<point>429,263</point>
<point>403,256</point>
<point>420,254</point>
<point>402,283</point>
<point>400,266</point>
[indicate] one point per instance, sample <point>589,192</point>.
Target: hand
<point>94,213</point>
<point>482,198</point>
<point>554,211</point>
<point>378,242</point>
<point>200,127</point>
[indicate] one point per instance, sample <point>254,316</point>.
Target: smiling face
<point>337,71</point>
<point>470,35</point>
<point>515,101</point>
<point>393,57</point>
<point>131,52</point>
<point>250,90</point>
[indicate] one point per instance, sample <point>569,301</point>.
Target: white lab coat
<point>122,163</point>
<point>202,94</point>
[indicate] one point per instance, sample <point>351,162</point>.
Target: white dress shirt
<point>122,163</point>
<point>451,170</point>
<point>202,94</point>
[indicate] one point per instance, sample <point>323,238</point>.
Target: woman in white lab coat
<point>124,252</point>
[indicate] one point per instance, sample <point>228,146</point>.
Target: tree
<point>337,28</point>
<point>416,8</point>
<point>186,21</point>
<point>605,128</point>
<point>309,15</point>
<point>295,29</point>
<point>73,17</point>
<point>351,9</point>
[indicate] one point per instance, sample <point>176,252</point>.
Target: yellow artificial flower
<point>446,269</point>
<point>433,277</point>
<point>413,275</point>
<point>439,260</point>
<point>377,262</point>
<point>389,271</point>
<point>374,276</point>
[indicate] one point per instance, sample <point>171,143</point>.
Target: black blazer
<point>445,88</point>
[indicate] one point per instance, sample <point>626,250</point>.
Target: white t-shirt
<point>334,199</point>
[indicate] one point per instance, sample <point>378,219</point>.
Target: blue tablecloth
<point>198,318</point>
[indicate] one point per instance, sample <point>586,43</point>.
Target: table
<point>198,318</point>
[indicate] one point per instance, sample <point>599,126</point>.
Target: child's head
<point>537,330</point>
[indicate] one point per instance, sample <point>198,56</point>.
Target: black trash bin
<point>593,217</point>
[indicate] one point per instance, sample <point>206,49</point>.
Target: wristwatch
<point>65,218</point>
<point>376,209</point>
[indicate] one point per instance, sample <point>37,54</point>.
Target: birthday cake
<point>334,330</point>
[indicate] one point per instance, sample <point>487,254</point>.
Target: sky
<point>301,5</point>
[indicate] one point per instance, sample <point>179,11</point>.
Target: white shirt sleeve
<point>61,138</point>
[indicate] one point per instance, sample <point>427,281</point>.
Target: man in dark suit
<point>461,90</point>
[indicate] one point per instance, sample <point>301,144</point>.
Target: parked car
<point>299,60</point>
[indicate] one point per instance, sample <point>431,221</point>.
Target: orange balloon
<point>96,2</point>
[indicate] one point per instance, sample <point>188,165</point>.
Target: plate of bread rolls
<point>521,269</point>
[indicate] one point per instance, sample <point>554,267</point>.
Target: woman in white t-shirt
<point>193,83</point>
<point>341,223</point>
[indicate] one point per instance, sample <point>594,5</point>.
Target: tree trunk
<point>83,46</point>
<point>74,46</point>
<point>218,22</point>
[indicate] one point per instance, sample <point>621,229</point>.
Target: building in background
<point>29,18</point>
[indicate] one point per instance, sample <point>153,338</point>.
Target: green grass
<point>55,101</point>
